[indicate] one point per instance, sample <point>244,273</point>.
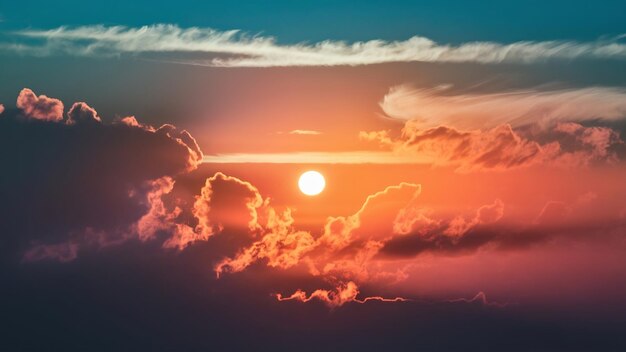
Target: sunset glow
<point>383,176</point>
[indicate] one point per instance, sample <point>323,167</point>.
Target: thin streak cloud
<point>355,157</point>
<point>236,49</point>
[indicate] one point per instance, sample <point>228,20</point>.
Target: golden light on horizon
<point>311,183</point>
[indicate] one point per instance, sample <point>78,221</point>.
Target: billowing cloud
<point>39,107</point>
<point>348,248</point>
<point>374,220</point>
<point>241,50</point>
<point>225,202</point>
<point>82,113</point>
<point>86,182</point>
<point>432,107</point>
<point>280,245</point>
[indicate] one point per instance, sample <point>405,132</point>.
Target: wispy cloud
<point>236,49</point>
<point>305,132</point>
<point>301,132</point>
<point>355,157</point>
<point>431,107</point>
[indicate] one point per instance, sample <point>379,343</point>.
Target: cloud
<point>374,220</point>
<point>480,298</point>
<point>235,49</point>
<point>349,157</point>
<point>280,245</point>
<point>341,295</point>
<point>489,228</point>
<point>69,183</point>
<point>343,251</point>
<point>157,217</point>
<point>62,252</point>
<point>82,113</point>
<point>499,148</point>
<point>502,148</point>
<point>224,203</point>
<point>349,247</point>
<point>432,107</point>
<point>39,107</point>
<point>305,132</point>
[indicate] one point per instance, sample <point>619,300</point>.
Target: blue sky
<point>294,21</point>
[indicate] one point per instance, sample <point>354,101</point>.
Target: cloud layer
<point>502,148</point>
<point>236,49</point>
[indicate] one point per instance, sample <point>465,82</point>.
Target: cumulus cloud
<point>86,180</point>
<point>432,107</point>
<point>228,205</point>
<point>241,50</point>
<point>39,107</point>
<point>225,202</point>
<point>349,247</point>
<point>82,113</point>
<point>374,220</point>
<point>280,245</point>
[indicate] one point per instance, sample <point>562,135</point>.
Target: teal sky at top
<point>295,21</point>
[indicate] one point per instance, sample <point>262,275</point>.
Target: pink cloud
<point>39,107</point>
<point>63,252</point>
<point>82,113</point>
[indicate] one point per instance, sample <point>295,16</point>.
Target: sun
<point>311,183</point>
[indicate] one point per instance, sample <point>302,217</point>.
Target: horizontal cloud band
<point>235,49</point>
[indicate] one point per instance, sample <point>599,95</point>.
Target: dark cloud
<point>82,113</point>
<point>60,180</point>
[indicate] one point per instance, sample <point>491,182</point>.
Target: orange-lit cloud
<point>341,295</point>
<point>223,202</point>
<point>502,147</point>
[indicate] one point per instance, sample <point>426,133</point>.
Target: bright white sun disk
<point>311,183</point>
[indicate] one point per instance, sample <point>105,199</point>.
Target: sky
<point>473,156</point>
